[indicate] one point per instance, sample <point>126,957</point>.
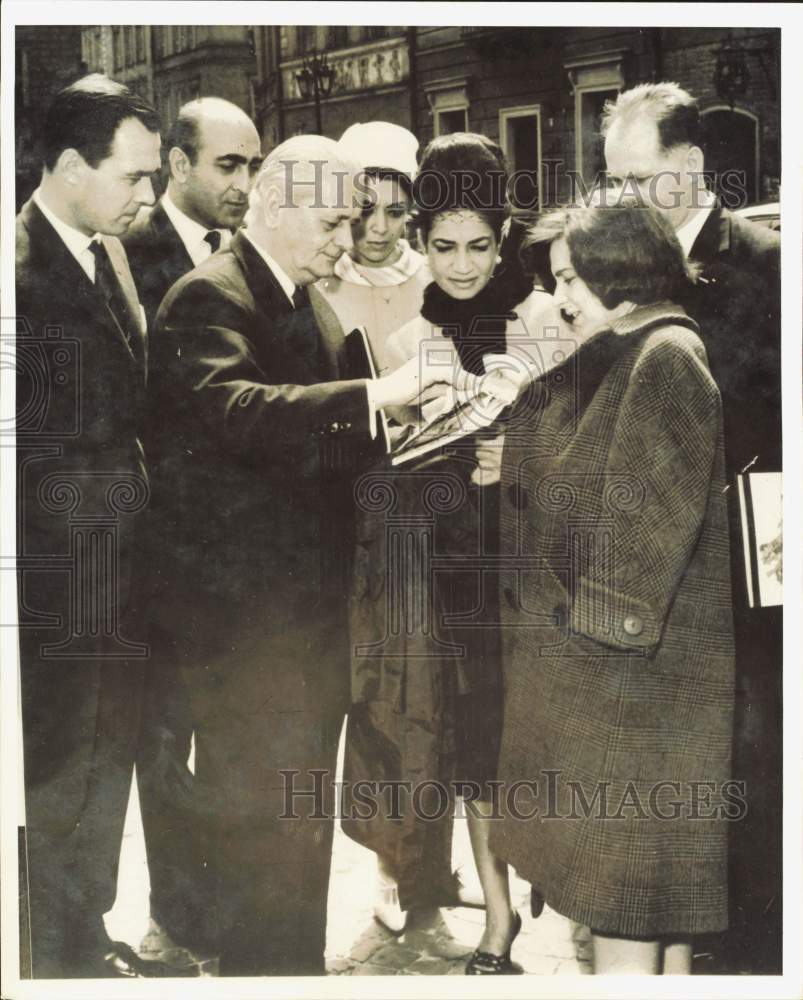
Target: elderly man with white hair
<point>254,428</point>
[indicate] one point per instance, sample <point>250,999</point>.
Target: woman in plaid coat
<point>616,611</point>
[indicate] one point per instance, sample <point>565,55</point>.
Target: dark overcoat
<point>253,525</point>
<point>618,634</point>
<point>737,305</point>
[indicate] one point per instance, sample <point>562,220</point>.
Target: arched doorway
<point>729,140</point>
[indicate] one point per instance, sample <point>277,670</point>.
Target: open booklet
<point>454,414</point>
<point>443,421</point>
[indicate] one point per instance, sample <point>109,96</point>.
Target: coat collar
<point>714,237</point>
<point>642,317</point>
<point>264,286</point>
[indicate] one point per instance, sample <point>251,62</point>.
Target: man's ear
<point>271,200</point>
<point>71,166</point>
<point>180,166</point>
<point>695,160</point>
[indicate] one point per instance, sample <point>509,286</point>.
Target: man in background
<point>652,139</point>
<point>81,483</point>
<point>213,154</point>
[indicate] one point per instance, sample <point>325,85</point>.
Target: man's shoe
<point>122,962</point>
<point>454,892</point>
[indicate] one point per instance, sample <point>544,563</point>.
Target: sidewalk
<point>434,943</point>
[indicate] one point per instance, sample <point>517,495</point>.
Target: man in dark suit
<point>652,141</point>
<point>249,485</point>
<point>213,153</point>
<point>81,355</point>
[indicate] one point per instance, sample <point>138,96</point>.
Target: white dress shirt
<point>75,241</point>
<point>691,228</point>
<point>192,233</point>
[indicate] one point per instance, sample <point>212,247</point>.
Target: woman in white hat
<point>380,284</point>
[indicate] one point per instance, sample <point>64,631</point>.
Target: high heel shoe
<point>485,963</point>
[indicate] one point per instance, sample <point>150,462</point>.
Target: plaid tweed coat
<point>618,635</point>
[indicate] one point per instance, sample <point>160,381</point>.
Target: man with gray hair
<point>652,140</point>
<point>254,432</point>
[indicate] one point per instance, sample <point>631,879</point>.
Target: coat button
<point>633,625</point>
<point>517,496</point>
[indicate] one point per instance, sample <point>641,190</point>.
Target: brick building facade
<point>538,91</point>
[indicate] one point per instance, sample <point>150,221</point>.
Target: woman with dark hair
<point>472,310</point>
<point>379,284</point>
<point>615,598</point>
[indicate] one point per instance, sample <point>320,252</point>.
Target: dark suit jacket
<point>248,503</point>
<point>157,256</point>
<point>737,305</point>
<point>80,401</point>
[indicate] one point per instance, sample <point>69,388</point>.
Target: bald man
<point>213,153</point>
<point>255,505</point>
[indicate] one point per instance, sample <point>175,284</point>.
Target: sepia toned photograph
<point>393,500</point>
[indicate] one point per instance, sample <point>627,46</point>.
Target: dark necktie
<point>213,239</point>
<point>300,297</point>
<point>109,287</point>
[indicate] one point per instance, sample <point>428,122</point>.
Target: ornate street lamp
<point>315,80</point>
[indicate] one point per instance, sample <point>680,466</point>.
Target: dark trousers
<point>270,843</point>
<point>79,753</point>
<point>171,822</point>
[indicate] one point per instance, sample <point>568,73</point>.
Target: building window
<point>128,42</point>
<point>447,122</point>
<point>730,141</point>
<point>23,81</point>
<point>373,32</point>
<point>595,79</point>
<point>305,39</point>
<point>117,48</point>
<point>520,138</point>
<point>337,36</point>
<point>448,101</point>
<point>140,37</point>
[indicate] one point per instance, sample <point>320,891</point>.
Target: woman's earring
<point>498,259</point>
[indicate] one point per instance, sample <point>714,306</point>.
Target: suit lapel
<point>713,238</point>
<point>56,258</point>
<point>173,246</point>
<point>136,341</point>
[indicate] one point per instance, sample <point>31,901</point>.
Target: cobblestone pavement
<point>434,943</point>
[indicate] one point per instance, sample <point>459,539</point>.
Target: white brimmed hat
<point>382,145</point>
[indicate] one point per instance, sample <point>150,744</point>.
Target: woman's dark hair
<point>86,115</point>
<point>624,251</point>
<point>386,174</point>
<point>461,171</point>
